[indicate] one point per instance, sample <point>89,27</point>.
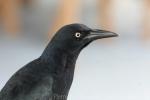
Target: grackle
<point>50,76</point>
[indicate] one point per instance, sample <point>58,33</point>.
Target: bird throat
<point>64,74</point>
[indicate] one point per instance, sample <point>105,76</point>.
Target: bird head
<point>75,37</point>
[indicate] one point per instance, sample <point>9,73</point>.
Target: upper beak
<point>98,34</point>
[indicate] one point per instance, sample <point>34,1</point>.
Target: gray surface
<point>115,70</point>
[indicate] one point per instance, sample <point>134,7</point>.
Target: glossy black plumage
<point>50,76</point>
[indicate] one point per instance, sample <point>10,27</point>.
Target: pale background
<point>115,69</point>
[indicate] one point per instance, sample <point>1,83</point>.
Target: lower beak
<point>99,34</point>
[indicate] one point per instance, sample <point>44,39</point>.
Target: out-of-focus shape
<point>146,21</point>
<point>105,19</point>
<point>9,15</point>
<point>67,13</point>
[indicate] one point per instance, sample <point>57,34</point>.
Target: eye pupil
<point>78,35</point>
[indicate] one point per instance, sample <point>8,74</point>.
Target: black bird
<point>50,76</point>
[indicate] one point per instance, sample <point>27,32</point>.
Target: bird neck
<point>61,59</point>
<point>63,64</point>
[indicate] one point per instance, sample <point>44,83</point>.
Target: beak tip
<point>115,35</point>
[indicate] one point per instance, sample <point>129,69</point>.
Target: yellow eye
<point>77,35</point>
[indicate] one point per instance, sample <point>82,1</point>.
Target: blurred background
<point>108,69</point>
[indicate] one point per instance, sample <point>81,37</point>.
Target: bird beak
<point>99,34</point>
